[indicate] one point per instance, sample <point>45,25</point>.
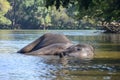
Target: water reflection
<point>102,38</point>
<point>14,66</point>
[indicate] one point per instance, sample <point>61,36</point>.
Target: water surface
<point>14,66</point>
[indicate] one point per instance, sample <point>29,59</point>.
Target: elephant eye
<point>78,49</point>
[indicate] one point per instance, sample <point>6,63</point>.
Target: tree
<point>32,14</point>
<point>105,12</point>
<point>21,15</point>
<point>27,14</point>
<point>4,7</point>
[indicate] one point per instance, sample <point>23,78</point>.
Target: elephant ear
<point>49,39</point>
<point>30,46</point>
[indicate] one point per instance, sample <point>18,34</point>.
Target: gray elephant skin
<point>58,44</point>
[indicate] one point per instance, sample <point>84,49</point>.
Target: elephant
<point>58,44</point>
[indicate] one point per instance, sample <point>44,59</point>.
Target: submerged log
<point>113,27</point>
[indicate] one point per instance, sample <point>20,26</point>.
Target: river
<point>15,66</point>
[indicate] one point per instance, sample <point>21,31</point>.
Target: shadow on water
<point>14,66</point>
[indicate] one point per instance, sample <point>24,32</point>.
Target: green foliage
<point>93,11</point>
<point>59,14</point>
<point>4,7</point>
<point>4,21</point>
<point>47,19</point>
<point>108,10</point>
<point>32,14</point>
<point>27,13</point>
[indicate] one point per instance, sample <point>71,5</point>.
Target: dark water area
<point>104,66</point>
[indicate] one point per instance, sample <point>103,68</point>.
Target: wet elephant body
<point>58,44</point>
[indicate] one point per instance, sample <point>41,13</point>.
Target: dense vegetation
<point>4,7</point>
<point>60,14</point>
<point>105,13</point>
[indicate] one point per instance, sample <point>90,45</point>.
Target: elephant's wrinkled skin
<point>58,44</point>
